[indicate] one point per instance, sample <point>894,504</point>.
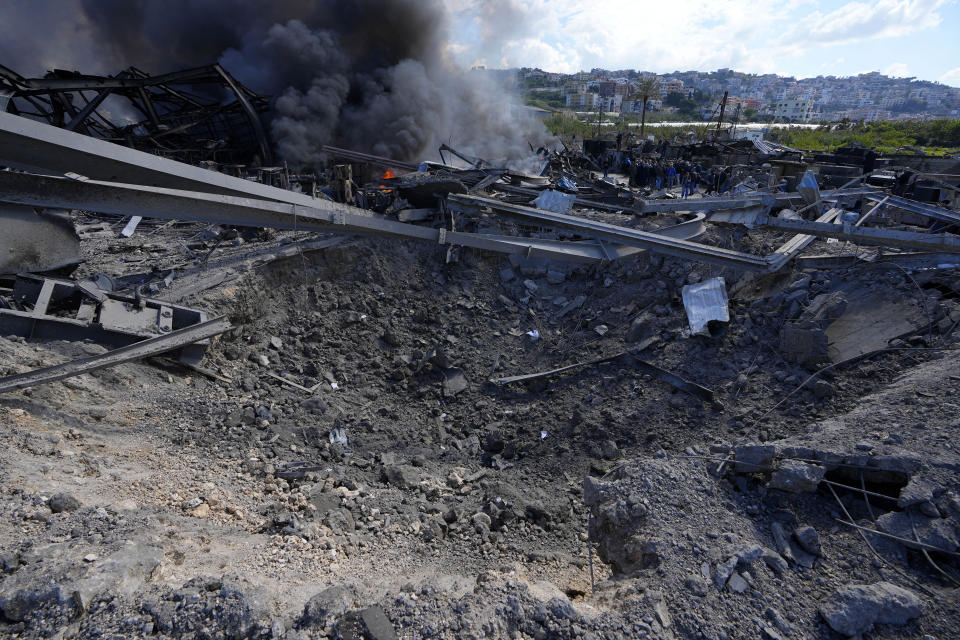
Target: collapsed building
<point>460,395</point>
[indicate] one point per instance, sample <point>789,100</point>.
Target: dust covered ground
<point>395,491</point>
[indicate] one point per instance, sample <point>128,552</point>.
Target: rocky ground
<point>395,492</point>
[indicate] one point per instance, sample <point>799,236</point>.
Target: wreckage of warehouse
<point>441,397</point>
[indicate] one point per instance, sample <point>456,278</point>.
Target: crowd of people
<point>689,176</point>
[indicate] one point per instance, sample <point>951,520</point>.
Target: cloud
<point>760,36</point>
<point>616,33</point>
<point>951,77</point>
<point>897,70</point>
<point>859,21</point>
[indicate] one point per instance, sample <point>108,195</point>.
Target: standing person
<point>725,179</point>
<point>715,181</point>
<point>671,175</point>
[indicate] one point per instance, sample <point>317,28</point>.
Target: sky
<point>800,38</point>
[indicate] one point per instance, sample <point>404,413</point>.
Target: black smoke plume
<point>370,75</point>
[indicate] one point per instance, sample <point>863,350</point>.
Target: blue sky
<point>801,38</point>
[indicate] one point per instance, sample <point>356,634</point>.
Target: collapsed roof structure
<point>193,115</point>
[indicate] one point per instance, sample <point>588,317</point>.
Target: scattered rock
<point>737,584</point>
<point>63,502</point>
<point>401,475</point>
<point>696,585</point>
<point>200,511</point>
<point>330,603</point>
<point>454,382</point>
<point>809,540</point>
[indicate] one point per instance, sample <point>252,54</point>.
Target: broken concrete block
<point>854,609</point>
<point>937,532</point>
<point>371,623</point>
<point>332,601</point>
<point>753,457</point>
<point>401,475</point>
<point>797,477</point>
<point>916,492</point>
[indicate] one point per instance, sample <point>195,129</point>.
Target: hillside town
<point>866,97</point>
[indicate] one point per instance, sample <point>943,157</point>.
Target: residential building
<point>795,110</point>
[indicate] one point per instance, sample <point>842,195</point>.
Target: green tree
<point>647,89</point>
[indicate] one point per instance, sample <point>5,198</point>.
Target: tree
<point>646,90</point>
<point>684,105</point>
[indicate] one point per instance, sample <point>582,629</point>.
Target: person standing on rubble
<point>725,179</point>
<point>671,175</point>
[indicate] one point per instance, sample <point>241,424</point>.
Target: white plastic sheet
<point>555,201</point>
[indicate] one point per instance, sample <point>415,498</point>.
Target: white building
<point>612,103</point>
<point>793,109</point>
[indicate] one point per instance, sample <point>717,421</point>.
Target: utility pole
<point>599,115</point>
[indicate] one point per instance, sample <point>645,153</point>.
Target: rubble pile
<point>453,399</point>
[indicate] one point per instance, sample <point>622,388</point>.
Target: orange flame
<point>387,174</point>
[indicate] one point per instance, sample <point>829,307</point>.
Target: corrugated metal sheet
<point>705,302</point>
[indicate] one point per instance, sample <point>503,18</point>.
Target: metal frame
<point>106,318</point>
<point>158,202</point>
<point>174,117</point>
<point>179,339</point>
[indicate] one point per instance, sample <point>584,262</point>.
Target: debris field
<point>454,399</point>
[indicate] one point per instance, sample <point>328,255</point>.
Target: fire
<point>388,174</point>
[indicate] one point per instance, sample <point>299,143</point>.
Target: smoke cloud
<point>370,75</point>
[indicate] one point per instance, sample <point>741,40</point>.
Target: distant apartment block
<point>582,101</point>
<point>795,110</point>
